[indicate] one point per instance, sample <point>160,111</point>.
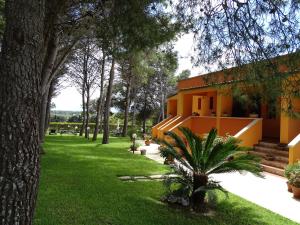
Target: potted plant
<point>288,171</point>
<point>195,114</point>
<point>147,140</point>
<point>134,147</point>
<point>143,151</point>
<point>169,159</point>
<point>225,114</point>
<point>295,182</point>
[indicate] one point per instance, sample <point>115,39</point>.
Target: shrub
<point>291,168</point>
<point>199,159</point>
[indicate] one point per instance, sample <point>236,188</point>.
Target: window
<point>199,103</point>
<point>211,103</point>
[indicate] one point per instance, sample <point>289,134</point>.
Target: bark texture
<point>127,105</point>
<point>83,110</point>
<point>100,100</point>
<point>20,101</point>
<point>105,139</point>
<point>43,115</point>
<point>87,112</point>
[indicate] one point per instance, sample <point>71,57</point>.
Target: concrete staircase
<point>274,156</point>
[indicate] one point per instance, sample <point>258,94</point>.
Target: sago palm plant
<point>202,157</point>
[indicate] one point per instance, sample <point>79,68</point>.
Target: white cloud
<point>184,46</point>
<point>69,99</point>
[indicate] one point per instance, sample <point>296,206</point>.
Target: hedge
<point>71,126</point>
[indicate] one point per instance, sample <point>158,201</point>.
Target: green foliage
<point>204,157</point>
<point>135,146</point>
<point>75,119</point>
<point>72,126</point>
<point>246,101</point>
<point>130,26</point>
<point>257,37</point>
<point>292,169</point>
<point>69,126</point>
<point>184,75</point>
<point>57,118</point>
<point>160,66</point>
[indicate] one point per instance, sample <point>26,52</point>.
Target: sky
<point>69,98</point>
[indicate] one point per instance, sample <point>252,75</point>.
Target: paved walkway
<point>269,192</point>
<point>152,152</point>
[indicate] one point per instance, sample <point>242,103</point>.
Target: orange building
<point>202,106</point>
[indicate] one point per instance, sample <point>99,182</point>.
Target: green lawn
<point>79,185</point>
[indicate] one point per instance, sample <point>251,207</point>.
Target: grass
<point>79,185</point>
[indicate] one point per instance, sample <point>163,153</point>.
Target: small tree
<point>204,157</point>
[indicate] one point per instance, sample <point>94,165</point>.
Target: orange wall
<point>289,127</point>
<point>252,134</point>
<point>172,107</point>
<point>204,80</point>
<point>294,124</point>
<point>294,128</point>
<point>226,104</point>
<point>202,125</point>
<point>199,125</point>
<point>187,104</point>
<point>232,126</point>
<point>294,150</point>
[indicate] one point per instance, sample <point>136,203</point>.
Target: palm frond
<point>169,150</point>
<point>204,157</point>
<point>179,143</point>
<point>239,163</point>
<point>222,151</point>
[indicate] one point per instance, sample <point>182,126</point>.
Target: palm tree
<point>204,157</point>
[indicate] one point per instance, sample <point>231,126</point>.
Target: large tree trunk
<point>43,113</point>
<point>127,105</point>
<point>144,113</point>
<point>47,119</point>
<point>49,61</point>
<point>100,100</point>
<point>20,101</point>
<point>87,112</point>
<point>162,99</point>
<point>50,57</point>
<point>105,139</point>
<point>43,118</point>
<point>83,110</point>
<point>133,110</point>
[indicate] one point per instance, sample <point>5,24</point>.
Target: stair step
<point>272,145</point>
<point>271,151</point>
<point>276,164</point>
<point>268,144</point>
<point>270,157</point>
<point>273,170</point>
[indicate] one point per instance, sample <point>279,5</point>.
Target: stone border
<point>146,178</point>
